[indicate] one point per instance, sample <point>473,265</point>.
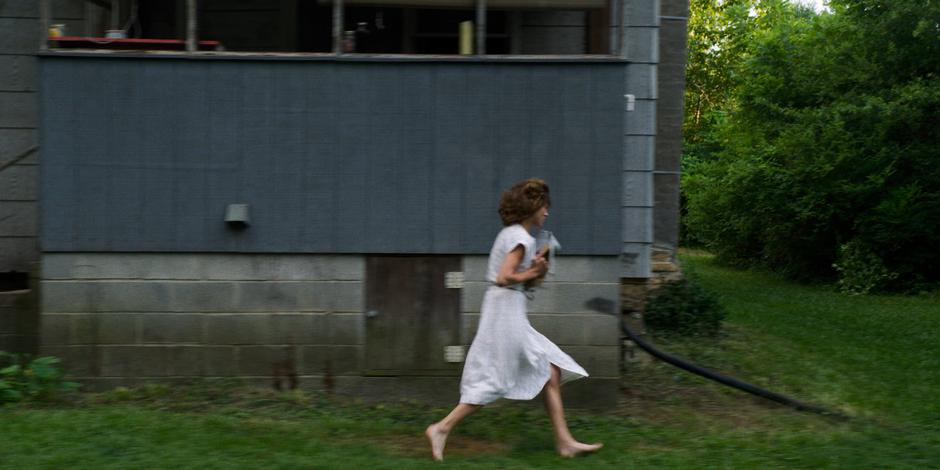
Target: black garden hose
<point>606,306</point>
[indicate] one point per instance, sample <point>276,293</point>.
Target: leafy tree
<point>828,159</point>
<point>720,33</point>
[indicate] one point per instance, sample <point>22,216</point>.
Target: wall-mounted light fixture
<point>236,216</point>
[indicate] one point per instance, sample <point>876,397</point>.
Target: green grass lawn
<point>876,359</point>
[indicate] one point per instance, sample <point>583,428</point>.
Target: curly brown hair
<point>522,200</point>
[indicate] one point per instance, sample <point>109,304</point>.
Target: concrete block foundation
<point>133,318</point>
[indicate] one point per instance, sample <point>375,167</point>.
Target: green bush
<point>684,308</point>
<point>861,271</point>
<point>36,379</point>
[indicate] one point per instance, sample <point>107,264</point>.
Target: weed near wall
<point>23,379</point>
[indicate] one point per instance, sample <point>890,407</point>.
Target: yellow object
<point>466,38</point>
<point>55,31</point>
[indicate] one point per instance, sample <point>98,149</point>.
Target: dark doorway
<point>411,315</point>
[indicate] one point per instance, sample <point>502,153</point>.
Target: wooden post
<point>192,41</point>
<point>481,27</point>
<point>337,26</point>
<point>115,14</point>
<point>613,28</point>
<point>289,25</point>
<point>86,15</point>
<point>621,29</point>
<point>44,25</point>
<point>408,26</point>
<point>515,32</point>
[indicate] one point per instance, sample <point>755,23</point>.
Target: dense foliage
<point>826,161</point>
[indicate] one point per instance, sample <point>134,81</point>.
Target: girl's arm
<point>507,272</point>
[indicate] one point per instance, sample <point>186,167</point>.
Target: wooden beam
<point>86,18</point>
<point>621,31</point>
<point>515,32</point>
<point>289,25</point>
<point>409,22</point>
<point>337,26</point>
<point>481,27</point>
<point>615,30</point>
<point>599,31</point>
<point>115,14</point>
<point>44,25</point>
<point>191,27</point>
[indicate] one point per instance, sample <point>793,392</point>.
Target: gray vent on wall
<point>236,216</point>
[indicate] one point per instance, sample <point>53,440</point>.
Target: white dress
<point>509,358</point>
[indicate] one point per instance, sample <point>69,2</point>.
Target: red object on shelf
<point>80,42</point>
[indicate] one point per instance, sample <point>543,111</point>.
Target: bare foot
<point>437,438</point>
<point>575,449</point>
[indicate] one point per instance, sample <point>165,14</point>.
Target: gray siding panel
<point>330,156</point>
<point>18,217</point>
<point>20,36</point>
<point>679,8</point>
<point>18,253</point>
<point>669,115</point>
<point>13,142</point>
<point>643,12</point>
<point>18,73</point>
<point>19,110</point>
<point>18,183</point>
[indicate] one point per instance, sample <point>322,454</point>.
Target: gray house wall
<point>179,312</point>
<point>125,314</point>
<point>332,157</point>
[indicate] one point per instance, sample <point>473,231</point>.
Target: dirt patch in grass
<point>659,395</point>
<point>457,446</point>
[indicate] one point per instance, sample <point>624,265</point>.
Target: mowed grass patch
<point>810,342</point>
<point>874,356</point>
<point>335,433</point>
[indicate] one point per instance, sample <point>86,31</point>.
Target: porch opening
<point>430,27</point>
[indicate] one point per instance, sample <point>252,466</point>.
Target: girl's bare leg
<point>437,432</point>
<point>565,443</point>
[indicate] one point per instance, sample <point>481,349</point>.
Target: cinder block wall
<point>131,318</point>
<point>120,319</point>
